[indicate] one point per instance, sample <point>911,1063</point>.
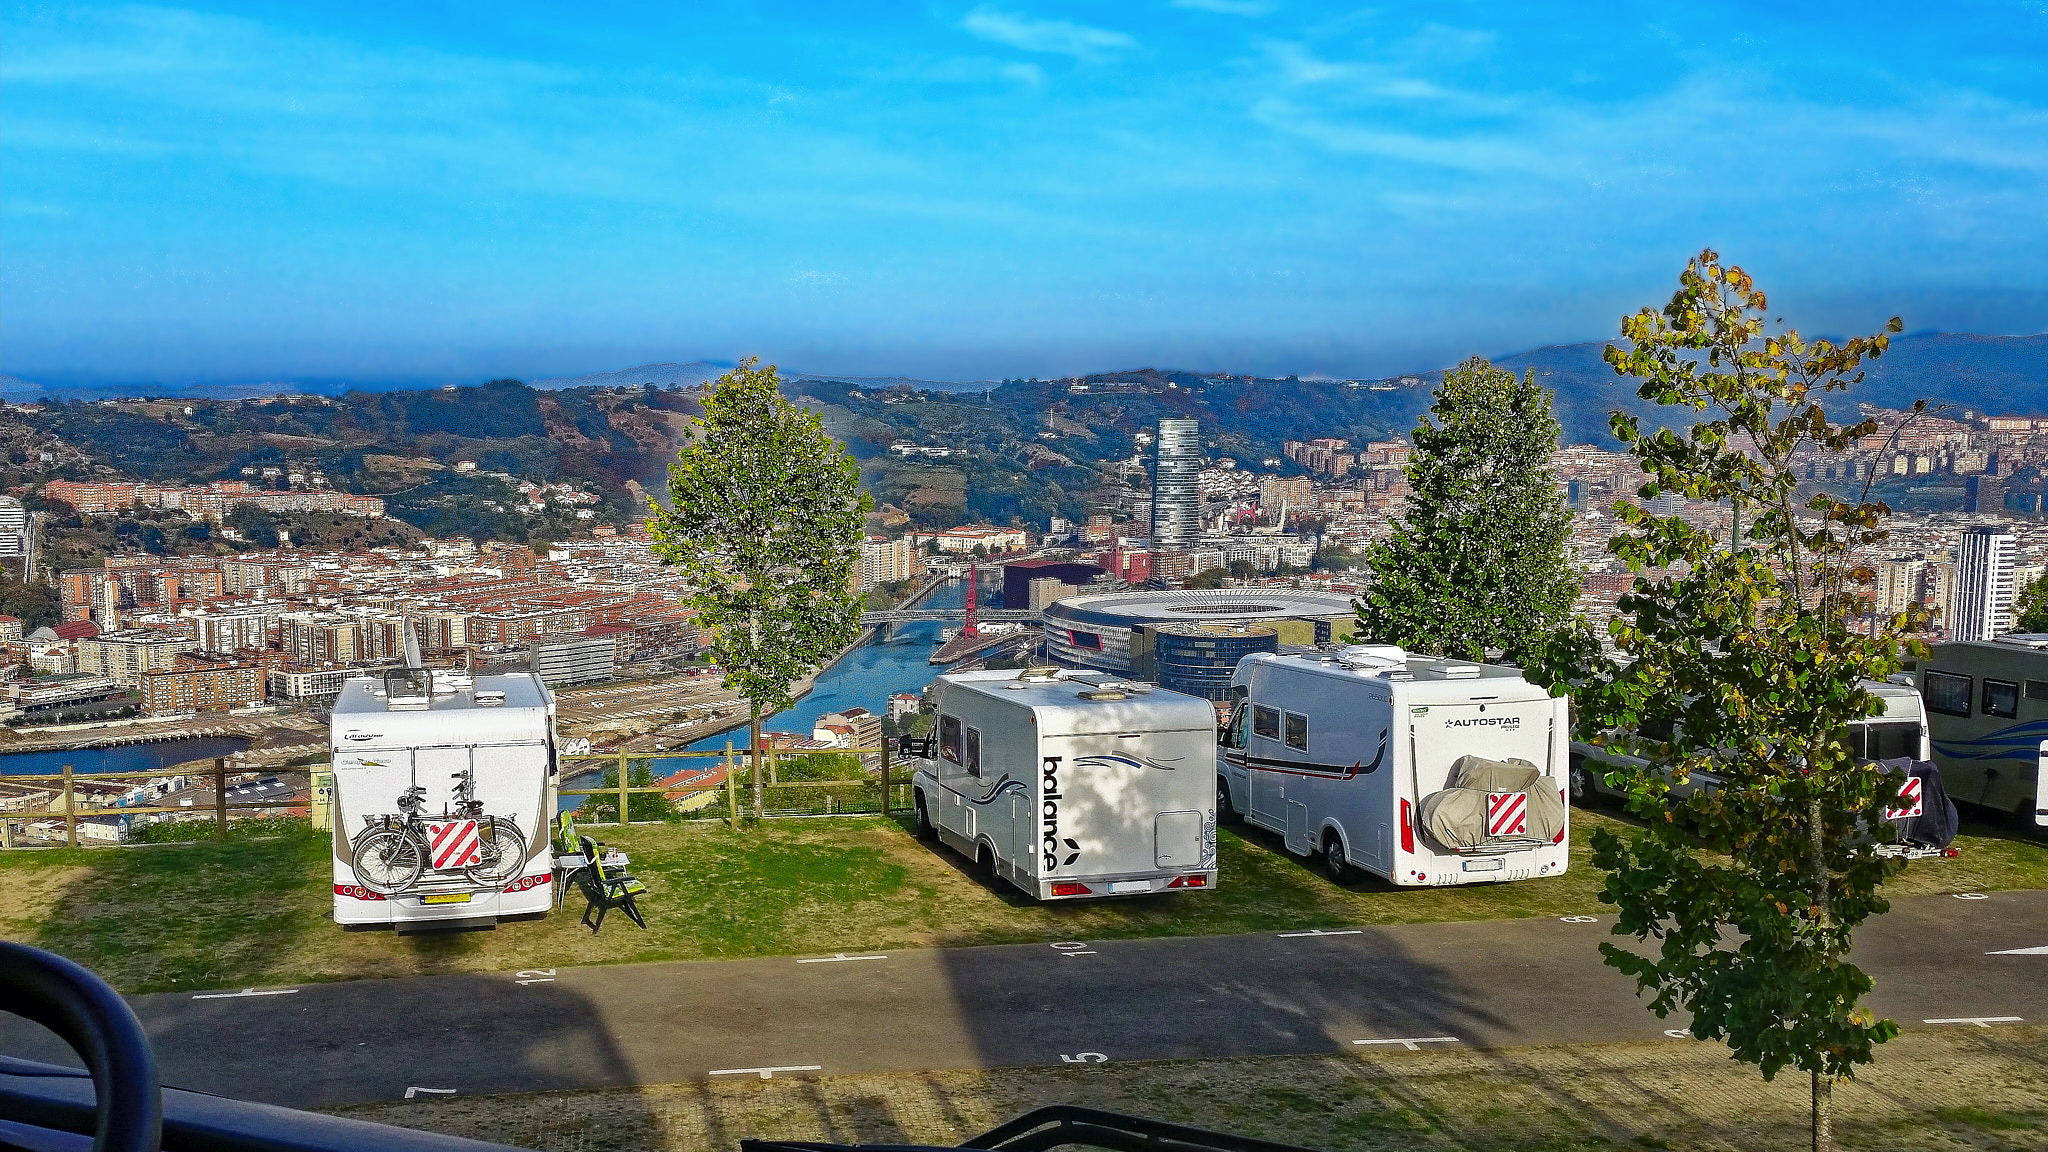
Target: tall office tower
<point>1176,485</point>
<point>1983,597</point>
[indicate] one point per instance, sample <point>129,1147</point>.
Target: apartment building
<point>884,561</point>
<point>126,656</point>
<point>207,687</point>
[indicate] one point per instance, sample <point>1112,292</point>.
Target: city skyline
<point>971,191</point>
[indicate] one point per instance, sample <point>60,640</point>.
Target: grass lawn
<point>255,912</point>
<point>1965,1089</point>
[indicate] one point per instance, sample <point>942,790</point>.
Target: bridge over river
<point>919,615</point>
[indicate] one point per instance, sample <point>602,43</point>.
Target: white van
<point>1420,770</point>
<point>1071,785</point>
<point>444,794</point>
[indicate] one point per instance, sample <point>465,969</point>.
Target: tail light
<point>1196,881</point>
<point>1071,888</point>
<point>1407,830</point>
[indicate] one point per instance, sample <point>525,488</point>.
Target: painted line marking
<point>535,976</point>
<point>838,958</point>
<point>410,1093</point>
<point>1971,895</point>
<point>2041,951</point>
<point>1413,1043</point>
<point>1677,1033</point>
<point>1319,932</point>
<point>1084,1058</point>
<point>763,1073</point>
<point>1579,919</point>
<point>246,992</point>
<point>1979,1021</point>
<point>1079,953</point>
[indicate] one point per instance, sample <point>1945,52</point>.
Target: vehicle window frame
<point>1266,732</point>
<point>949,749</point>
<point>2012,711</point>
<point>1287,720</point>
<point>971,758</point>
<point>1928,691</point>
<point>1234,729</point>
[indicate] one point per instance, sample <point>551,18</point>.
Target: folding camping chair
<point>605,888</point>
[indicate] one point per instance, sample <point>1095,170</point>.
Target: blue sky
<point>440,191</point>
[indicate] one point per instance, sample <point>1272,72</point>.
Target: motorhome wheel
<point>1333,858</point>
<point>985,861</point>
<point>1225,814</point>
<point>924,819</point>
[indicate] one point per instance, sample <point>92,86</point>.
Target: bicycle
<point>393,851</point>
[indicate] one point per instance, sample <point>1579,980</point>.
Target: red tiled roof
<point>76,630</point>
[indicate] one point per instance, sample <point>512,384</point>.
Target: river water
<point>125,757</point>
<point>867,676</point>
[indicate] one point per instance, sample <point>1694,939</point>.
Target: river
<point>124,757</point>
<point>867,676</point>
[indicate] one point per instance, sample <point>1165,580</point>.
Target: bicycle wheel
<point>501,851</point>
<point>388,861</point>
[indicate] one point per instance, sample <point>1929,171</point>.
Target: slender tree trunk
<point>1817,888</point>
<point>754,744</point>
<point>1823,1120</point>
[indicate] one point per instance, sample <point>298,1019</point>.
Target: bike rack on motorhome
<point>1071,784</point>
<point>1987,715</point>
<point>1423,771</point>
<point>488,745</point>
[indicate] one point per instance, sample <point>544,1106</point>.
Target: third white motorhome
<point>1424,771</point>
<point>1071,784</point>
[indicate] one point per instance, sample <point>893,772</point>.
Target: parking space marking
<point>1084,1058</point>
<point>1579,919</point>
<point>2041,951</point>
<point>1413,1043</point>
<point>1072,948</point>
<point>1979,1021</point>
<point>1971,895</point>
<point>838,958</point>
<point>411,1093</point>
<point>244,992</point>
<point>1319,932</point>
<point>764,1073</point>
<point>535,976</point>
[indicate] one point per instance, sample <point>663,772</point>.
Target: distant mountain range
<point>1999,374</point>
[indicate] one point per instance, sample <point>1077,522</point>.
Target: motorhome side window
<point>2001,698</point>
<point>1265,722</point>
<point>1947,693</point>
<point>1233,734</point>
<point>1297,731</point>
<point>973,758</point>
<point>2037,689</point>
<point>949,738</point>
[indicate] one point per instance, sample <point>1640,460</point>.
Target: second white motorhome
<point>1423,771</point>
<point>1071,785</point>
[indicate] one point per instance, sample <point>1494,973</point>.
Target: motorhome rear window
<point>1265,722</point>
<point>949,738</point>
<point>1946,693</point>
<point>1885,741</point>
<point>2037,689</point>
<point>973,760</point>
<point>1297,731</point>
<point>2001,698</point>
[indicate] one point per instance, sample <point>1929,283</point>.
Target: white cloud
<point>1060,37</point>
<point>1226,7</point>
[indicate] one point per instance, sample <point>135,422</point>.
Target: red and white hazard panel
<point>1909,801</point>
<point>1507,813</point>
<point>454,844</point>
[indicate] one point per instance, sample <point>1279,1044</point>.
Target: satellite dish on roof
<point>412,647</point>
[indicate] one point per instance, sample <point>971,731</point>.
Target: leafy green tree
<point>644,807</point>
<point>38,605</point>
<point>1746,661</point>
<point>2030,607</point>
<point>1476,561</point>
<point>765,517</point>
<point>1207,578</point>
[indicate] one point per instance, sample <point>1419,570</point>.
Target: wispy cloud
<point>1057,37</point>
<point>1226,7</point>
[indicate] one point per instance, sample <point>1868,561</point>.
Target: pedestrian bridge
<point>915,615</point>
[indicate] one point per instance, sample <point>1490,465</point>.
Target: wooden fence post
<point>623,815</point>
<point>764,760</point>
<point>732,789</point>
<point>220,798</point>
<point>70,811</point>
<point>885,776</point>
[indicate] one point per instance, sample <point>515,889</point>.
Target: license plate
<point>446,898</point>
<point>1118,886</point>
<point>1492,865</point>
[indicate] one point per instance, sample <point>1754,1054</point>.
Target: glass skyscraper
<point>1176,485</point>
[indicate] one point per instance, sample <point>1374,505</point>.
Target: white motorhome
<point>1071,784</point>
<point>1988,706</point>
<point>444,795</point>
<point>1420,770</point>
<point>1900,730</point>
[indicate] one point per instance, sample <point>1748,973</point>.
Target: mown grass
<point>254,912</point>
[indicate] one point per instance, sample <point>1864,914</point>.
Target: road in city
<point>1939,962</point>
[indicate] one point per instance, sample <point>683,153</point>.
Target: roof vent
<point>1461,671</point>
<point>1104,694</point>
<point>490,698</point>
